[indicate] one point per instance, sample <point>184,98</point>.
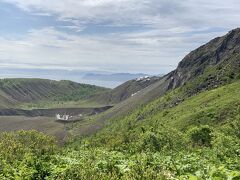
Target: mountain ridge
<point>210,66</point>
<point>125,90</point>
<point>32,90</point>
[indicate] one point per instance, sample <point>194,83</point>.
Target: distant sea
<point>99,78</point>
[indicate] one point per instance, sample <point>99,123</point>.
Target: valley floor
<point>47,125</point>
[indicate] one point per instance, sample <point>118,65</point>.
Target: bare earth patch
<point>46,125</point>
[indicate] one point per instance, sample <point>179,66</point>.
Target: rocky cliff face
<point>221,56</point>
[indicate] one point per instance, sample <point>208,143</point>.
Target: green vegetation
<point>24,155</point>
<point>43,93</point>
<point>170,138</point>
<point>83,92</point>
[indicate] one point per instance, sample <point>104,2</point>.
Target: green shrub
<point>163,140</point>
<point>200,136</point>
<point>25,154</point>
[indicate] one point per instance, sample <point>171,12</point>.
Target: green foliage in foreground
<point>25,155</point>
<point>197,138</point>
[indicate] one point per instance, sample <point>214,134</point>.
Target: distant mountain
<point>120,77</point>
<point>98,78</point>
<point>16,91</point>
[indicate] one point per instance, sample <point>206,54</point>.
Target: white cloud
<point>74,28</point>
<point>170,29</point>
<point>48,47</point>
<point>152,12</point>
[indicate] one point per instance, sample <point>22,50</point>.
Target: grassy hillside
<point>32,91</point>
<point>163,140</point>
<point>124,91</point>
<point>197,138</point>
<point>216,108</point>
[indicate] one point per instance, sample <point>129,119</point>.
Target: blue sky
<point>147,36</point>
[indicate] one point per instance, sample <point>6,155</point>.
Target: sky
<point>135,36</point>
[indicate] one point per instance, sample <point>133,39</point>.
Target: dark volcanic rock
<point>222,52</point>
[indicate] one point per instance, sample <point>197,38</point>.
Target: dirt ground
<point>47,125</point>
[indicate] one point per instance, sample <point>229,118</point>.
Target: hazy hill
<point>16,91</point>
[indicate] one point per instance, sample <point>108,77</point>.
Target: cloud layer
<point>117,35</point>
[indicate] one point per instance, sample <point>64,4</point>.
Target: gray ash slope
<point>124,91</point>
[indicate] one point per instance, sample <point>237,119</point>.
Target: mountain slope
<point>210,66</point>
<point>161,141</point>
<point>124,91</point>
<point>216,108</point>
<point>16,91</point>
<point>218,60</point>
